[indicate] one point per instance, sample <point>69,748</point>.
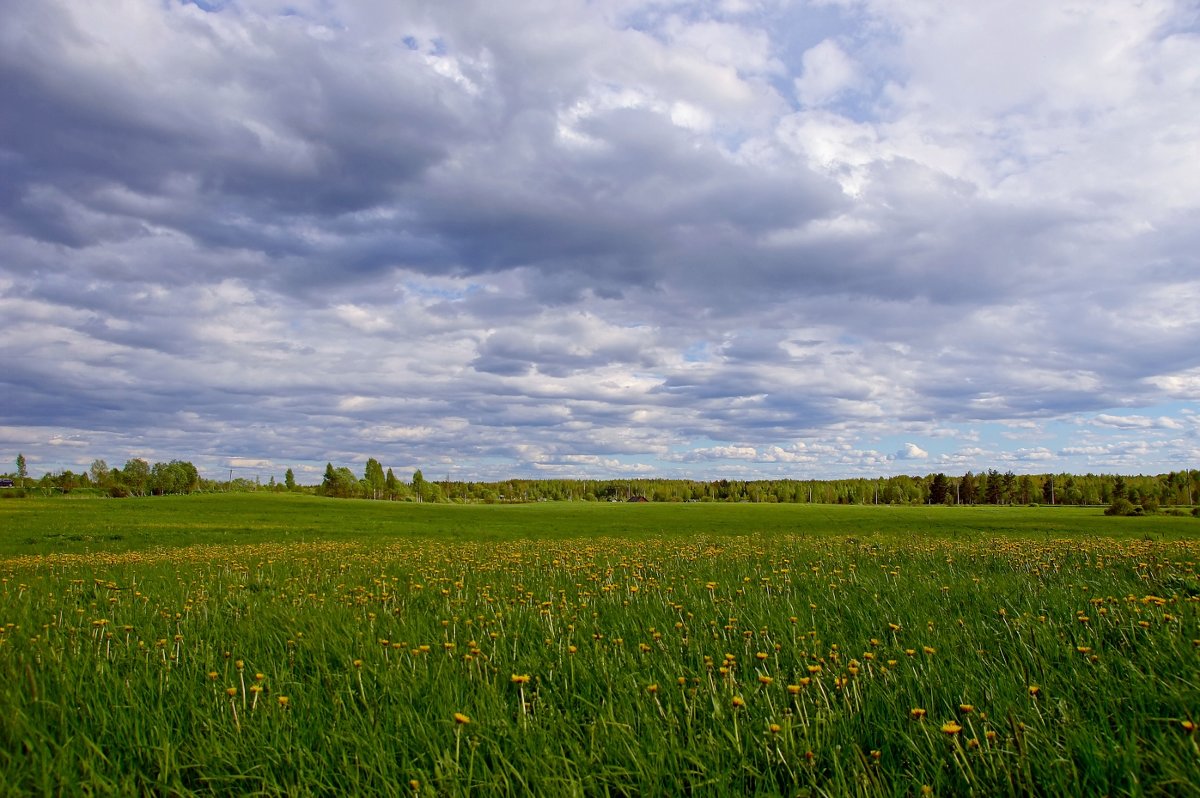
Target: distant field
<point>33,526</point>
<point>283,645</point>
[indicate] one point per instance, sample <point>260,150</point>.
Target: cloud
<point>649,239</point>
<point>828,72</point>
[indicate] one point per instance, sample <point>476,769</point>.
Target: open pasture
<point>267,645</point>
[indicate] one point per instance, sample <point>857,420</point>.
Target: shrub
<point>1122,506</point>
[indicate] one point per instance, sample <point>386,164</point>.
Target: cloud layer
<point>746,238</point>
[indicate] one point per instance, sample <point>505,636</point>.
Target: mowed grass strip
<point>819,651</point>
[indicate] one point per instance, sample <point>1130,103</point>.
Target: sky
<point>557,238</point>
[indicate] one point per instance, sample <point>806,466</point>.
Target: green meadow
<point>252,644</point>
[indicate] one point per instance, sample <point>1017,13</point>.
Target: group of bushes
<point>1123,506</point>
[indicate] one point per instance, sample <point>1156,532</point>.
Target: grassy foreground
<point>292,646</point>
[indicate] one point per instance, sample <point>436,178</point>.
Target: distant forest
<point>139,478</point>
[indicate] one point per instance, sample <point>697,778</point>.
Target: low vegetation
<point>292,646</point>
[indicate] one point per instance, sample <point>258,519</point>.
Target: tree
<point>939,488</point>
<point>22,472</point>
<point>966,488</point>
<point>995,487</point>
<point>136,476</point>
<point>99,472</point>
<point>418,483</point>
<point>289,480</point>
<point>1119,490</point>
<point>392,484</point>
<point>373,476</point>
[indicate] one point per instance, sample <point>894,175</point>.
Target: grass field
<point>278,645</point>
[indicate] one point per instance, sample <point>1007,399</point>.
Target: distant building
<point>638,499</point>
<point>6,483</point>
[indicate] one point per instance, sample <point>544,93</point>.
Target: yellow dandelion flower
<point>775,728</point>
<point>461,719</point>
<point>283,700</point>
<point>231,691</point>
<point>652,688</point>
<point>967,708</point>
<point>765,680</point>
<point>1034,690</point>
<point>520,678</point>
<point>916,713</point>
<point>414,784</point>
<point>738,702</point>
<point>951,728</point>
<point>1188,726</point>
<point>794,689</point>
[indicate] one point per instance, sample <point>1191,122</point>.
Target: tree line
<point>137,477</point>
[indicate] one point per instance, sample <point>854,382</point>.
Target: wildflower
<point>916,713</point>
<point>415,784</point>
<point>765,680</point>
<point>951,728</point>
<point>1188,726</point>
<point>738,702</point>
<point>966,708</point>
<point>774,728</point>
<point>231,691</point>
<point>357,663</point>
<point>652,688</point>
<point>794,689</point>
<point>461,719</point>
<point>212,676</point>
<point>518,678</point>
<point>1034,690</point>
<point>283,700</point>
